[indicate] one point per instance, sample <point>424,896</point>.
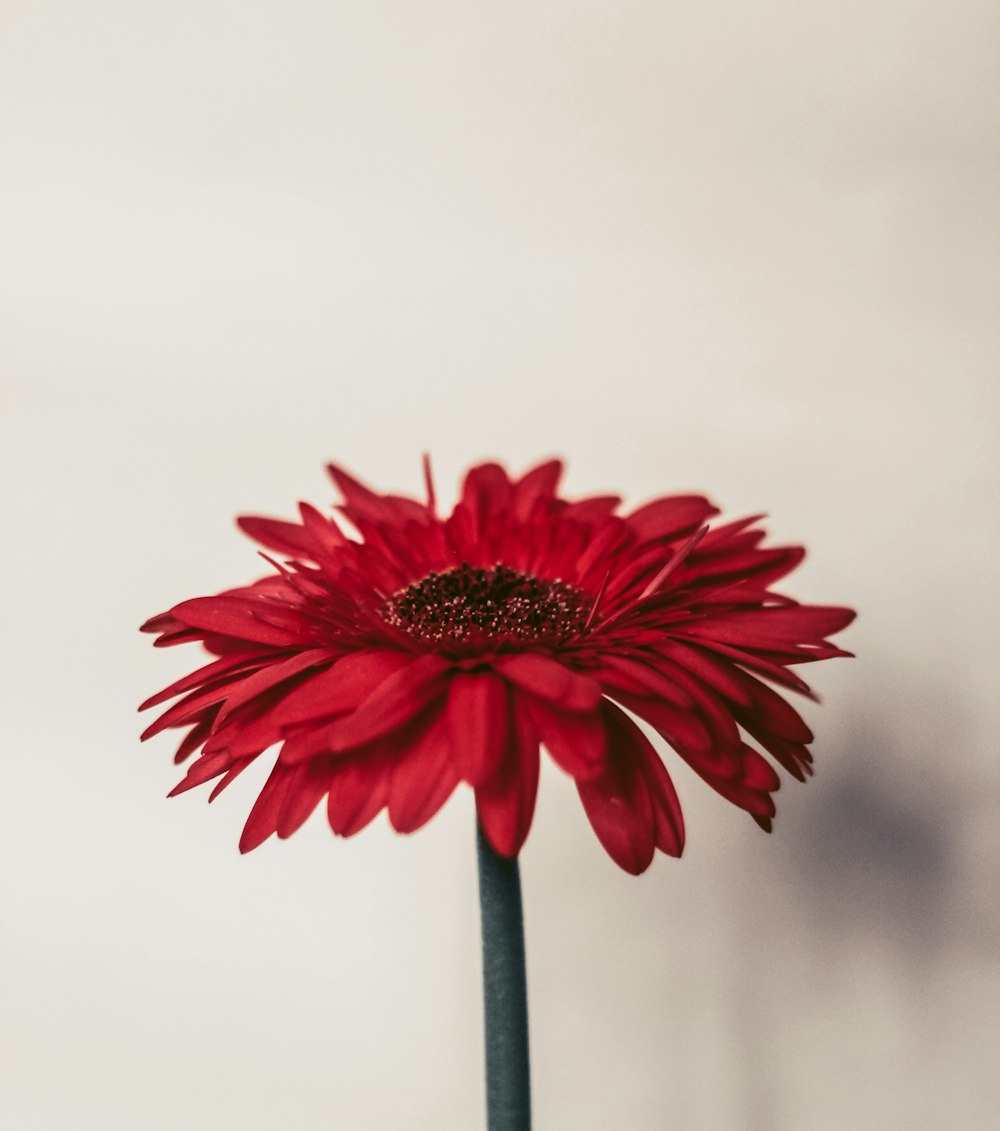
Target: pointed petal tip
<point>248,843</point>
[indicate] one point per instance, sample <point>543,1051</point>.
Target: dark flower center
<point>470,604</point>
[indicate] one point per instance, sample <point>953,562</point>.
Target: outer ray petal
<point>506,804</point>
<point>548,679</point>
<point>476,711</point>
<point>618,803</point>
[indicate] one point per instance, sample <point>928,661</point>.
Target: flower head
<point>426,651</point>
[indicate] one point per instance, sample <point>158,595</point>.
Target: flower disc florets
<point>470,605</point>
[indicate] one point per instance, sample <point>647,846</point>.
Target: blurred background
<point>748,249</point>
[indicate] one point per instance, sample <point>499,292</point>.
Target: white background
<point>746,248</point>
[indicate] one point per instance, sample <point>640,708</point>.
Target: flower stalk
<point>505,996</point>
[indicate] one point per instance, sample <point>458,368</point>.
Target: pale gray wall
<point>749,248</point>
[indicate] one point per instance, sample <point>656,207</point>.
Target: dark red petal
<point>670,517</point>
<point>422,779</point>
<point>308,783</point>
<point>682,729</point>
<point>766,667</point>
<point>598,547</point>
<point>477,722</point>
<point>263,819</point>
<point>576,741</point>
<point>394,702</point>
<point>285,537</point>
<point>355,493</point>
<point>365,505</point>
<point>341,688</point>
<point>207,767</point>
<point>548,679</point>
<point>751,801</point>
<point>772,712</point>
<point>538,483</point>
<point>791,756</point>
<point>667,816</point>
<point>618,804</point>
<point>187,709</point>
<point>772,628</point>
<point>640,678</point>
<point>757,772</point>
<point>194,737</point>
<point>712,709</point>
<point>251,686</point>
<point>718,675</point>
<point>245,737</point>
<point>162,622</point>
<point>359,788</point>
<point>311,740</point>
<point>325,533</point>
<point>231,775</point>
<point>234,616</point>
<point>183,636</point>
<point>592,509</point>
<point>486,491</point>
<point>506,804</point>
<point>210,672</point>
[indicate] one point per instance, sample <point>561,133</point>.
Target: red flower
<point>431,651</point>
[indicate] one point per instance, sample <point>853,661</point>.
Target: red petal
<point>234,616</point>
<point>355,493</point>
<point>486,491</point>
<point>307,785</point>
<point>670,517</point>
<point>667,815</point>
<point>575,741</point>
<point>719,676</point>
<point>757,772</point>
<point>592,509</point>
<point>618,804</point>
<point>506,804</point>
<point>194,738</point>
<point>538,483</point>
<point>640,679</point>
<point>771,628</point>
<point>263,819</point>
<point>682,729</point>
<point>394,702</point>
<point>772,712</point>
<point>759,805</point>
<point>365,504</point>
<point>359,788</point>
<point>712,709</point>
<point>791,756</point>
<point>251,686</point>
<point>774,671</point>
<point>245,737</point>
<point>285,537</point>
<point>423,778</point>
<point>240,662</point>
<point>207,767</point>
<point>548,679</point>
<point>477,722</point>
<point>187,709</point>
<point>234,772</point>
<point>324,531</point>
<point>341,688</point>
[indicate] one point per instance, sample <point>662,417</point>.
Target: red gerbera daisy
<point>430,651</point>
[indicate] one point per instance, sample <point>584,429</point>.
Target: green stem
<point>505,995</point>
